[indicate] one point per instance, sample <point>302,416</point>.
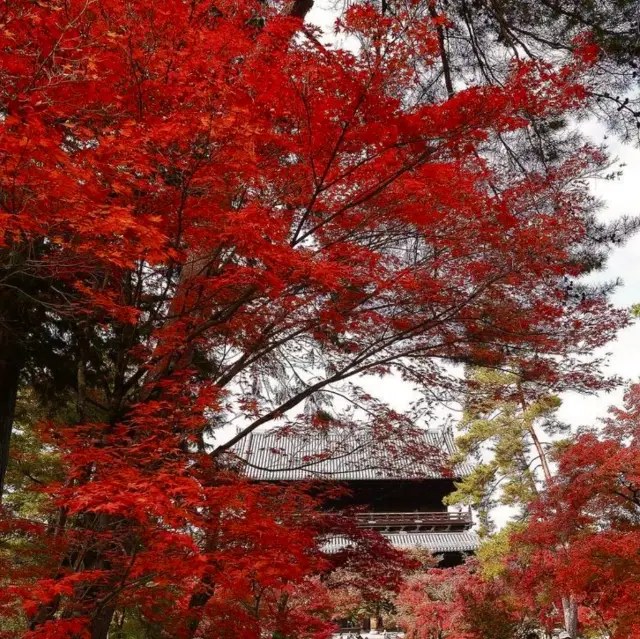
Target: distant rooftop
<point>422,454</point>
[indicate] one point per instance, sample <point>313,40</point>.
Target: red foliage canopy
<point>222,207</point>
<point>457,603</point>
<point>584,535</point>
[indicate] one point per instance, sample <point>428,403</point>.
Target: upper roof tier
<point>272,455</point>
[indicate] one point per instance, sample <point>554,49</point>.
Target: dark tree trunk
<point>200,598</point>
<point>102,622</point>
<point>300,8</point>
<point>10,365</point>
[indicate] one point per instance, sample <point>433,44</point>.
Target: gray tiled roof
<point>435,542</point>
<point>270,455</point>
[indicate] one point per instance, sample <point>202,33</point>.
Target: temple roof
<point>272,455</point>
<point>435,542</point>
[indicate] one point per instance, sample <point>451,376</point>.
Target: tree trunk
<point>102,622</point>
<point>196,604</point>
<point>570,610</point>
<point>569,606</point>
<point>10,365</point>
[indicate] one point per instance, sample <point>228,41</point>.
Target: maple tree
<point>475,36</point>
<point>459,603</point>
<point>207,214</point>
<point>427,606</point>
<point>120,154</point>
<point>361,590</point>
<point>584,533</point>
<point>255,565</point>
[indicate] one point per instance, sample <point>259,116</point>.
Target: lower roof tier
<point>435,542</point>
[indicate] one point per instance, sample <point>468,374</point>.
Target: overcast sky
<point>620,197</point>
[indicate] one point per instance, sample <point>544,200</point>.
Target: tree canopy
<point>209,218</point>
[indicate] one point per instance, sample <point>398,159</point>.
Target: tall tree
<point>505,416</point>
<point>106,151</point>
<point>584,533</point>
<point>503,428</point>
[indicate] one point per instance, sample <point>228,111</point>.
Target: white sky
<point>620,197</point>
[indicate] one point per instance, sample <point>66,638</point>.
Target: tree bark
<point>300,8</point>
<point>444,58</point>
<point>102,622</point>
<point>10,366</point>
<point>570,610</point>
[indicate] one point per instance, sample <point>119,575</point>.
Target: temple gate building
<point>399,498</point>
<point>399,495</point>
